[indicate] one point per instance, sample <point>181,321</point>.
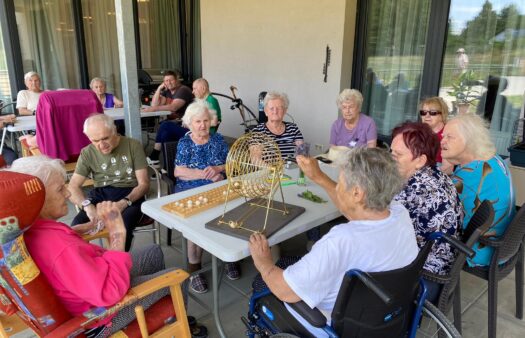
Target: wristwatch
<point>128,201</point>
<point>85,203</point>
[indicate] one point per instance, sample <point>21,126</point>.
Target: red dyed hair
<point>420,139</point>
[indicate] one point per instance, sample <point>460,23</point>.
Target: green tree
<point>509,17</point>
<point>480,30</point>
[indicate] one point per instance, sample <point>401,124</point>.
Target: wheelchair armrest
<point>491,241</point>
<point>313,316</point>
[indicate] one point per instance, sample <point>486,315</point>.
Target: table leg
<point>184,248</point>
<point>215,289</point>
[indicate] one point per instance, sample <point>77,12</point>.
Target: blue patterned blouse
<point>195,156</point>
<point>486,180</point>
<point>433,204</point>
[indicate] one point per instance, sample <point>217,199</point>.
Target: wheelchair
<point>380,304</point>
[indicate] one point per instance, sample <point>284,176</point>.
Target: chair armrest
<point>171,278</point>
<point>170,182</point>
<point>313,316</point>
<point>492,242</point>
<point>440,279</point>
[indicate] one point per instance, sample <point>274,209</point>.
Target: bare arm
<point>310,168</point>
<point>188,174</point>
<point>25,111</point>
<point>139,191</point>
<point>117,102</point>
<point>371,144</point>
<point>271,274</point>
<point>77,196</point>
<point>173,106</point>
<point>109,213</point>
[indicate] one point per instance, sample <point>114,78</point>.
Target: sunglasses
<point>431,112</point>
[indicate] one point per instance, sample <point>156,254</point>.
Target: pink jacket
<point>82,275</point>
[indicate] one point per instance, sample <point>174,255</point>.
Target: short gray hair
<point>375,171</point>
<point>40,166</point>
<point>30,74</point>
<point>350,95</point>
<point>105,119</point>
<point>474,131</point>
<point>198,107</point>
<point>273,95</point>
<point>97,79</point>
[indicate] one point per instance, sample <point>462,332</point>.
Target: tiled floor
<point>234,295</point>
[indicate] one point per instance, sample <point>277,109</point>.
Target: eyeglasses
<point>431,112</point>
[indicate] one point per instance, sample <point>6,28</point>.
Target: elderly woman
<point>352,129</point>
<point>479,175</point>
<point>434,112</point>
<point>286,134</point>
<point>428,194</point>
<point>27,100</point>
<point>67,260</point>
<point>378,237</point>
<point>200,161</point>
<point>107,100</point>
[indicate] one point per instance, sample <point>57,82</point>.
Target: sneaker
<point>198,284</point>
<point>232,271</point>
<point>154,163</point>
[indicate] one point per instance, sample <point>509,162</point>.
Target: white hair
<point>29,75</point>
<point>197,108</point>
<point>105,119</point>
<point>96,79</point>
<point>350,95</point>
<point>40,166</point>
<point>474,131</point>
<point>273,95</point>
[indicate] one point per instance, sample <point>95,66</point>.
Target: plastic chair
<point>169,153</point>
<point>450,294</point>
<point>26,291</point>
<point>508,254</point>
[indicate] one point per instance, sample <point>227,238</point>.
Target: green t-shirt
<point>214,104</point>
<point>116,169</point>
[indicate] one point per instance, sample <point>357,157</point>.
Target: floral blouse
<point>433,204</point>
<point>195,156</point>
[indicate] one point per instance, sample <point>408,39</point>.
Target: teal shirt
<point>486,180</point>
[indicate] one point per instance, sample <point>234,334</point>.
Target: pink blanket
<point>60,117</point>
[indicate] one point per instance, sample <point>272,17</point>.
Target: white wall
<point>279,45</point>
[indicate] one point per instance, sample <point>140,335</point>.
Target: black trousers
<point>131,214</point>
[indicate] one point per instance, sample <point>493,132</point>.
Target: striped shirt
<point>285,141</point>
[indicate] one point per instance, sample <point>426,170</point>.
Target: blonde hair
<point>437,101</point>
<point>474,131</point>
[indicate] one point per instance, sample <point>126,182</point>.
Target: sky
<point>462,11</point>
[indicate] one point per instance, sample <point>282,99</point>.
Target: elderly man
<point>201,91</point>
<point>378,237</point>
<point>171,95</point>
<point>118,167</point>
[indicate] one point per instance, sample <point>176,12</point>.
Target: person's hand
<point>11,118</point>
<point>309,166</point>
<point>91,212</point>
<point>210,172</point>
<point>217,178</point>
<point>109,213</point>
<point>161,87</point>
<point>261,254</point>
<point>149,109</point>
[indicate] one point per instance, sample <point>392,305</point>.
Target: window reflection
<point>47,41</point>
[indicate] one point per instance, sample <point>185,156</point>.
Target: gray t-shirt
<point>116,169</point>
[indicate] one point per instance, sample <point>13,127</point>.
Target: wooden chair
<point>508,254</point>
<point>450,295</point>
<point>26,292</point>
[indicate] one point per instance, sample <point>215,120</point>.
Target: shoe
<point>232,271</point>
<point>154,163</point>
<point>197,330</point>
<point>198,284</point>
<point>153,177</point>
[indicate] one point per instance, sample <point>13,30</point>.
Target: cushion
<point>23,287</point>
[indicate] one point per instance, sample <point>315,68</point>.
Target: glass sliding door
<point>100,34</point>
<point>5,88</point>
<point>159,27</point>
<point>484,65</point>
<point>395,39</point>
<point>47,40</point>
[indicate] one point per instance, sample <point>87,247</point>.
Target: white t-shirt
<point>27,99</point>
<point>370,246</point>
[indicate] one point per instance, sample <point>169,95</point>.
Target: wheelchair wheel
<point>435,324</point>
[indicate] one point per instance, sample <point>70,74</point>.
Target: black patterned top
<point>285,141</point>
<point>433,204</point>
